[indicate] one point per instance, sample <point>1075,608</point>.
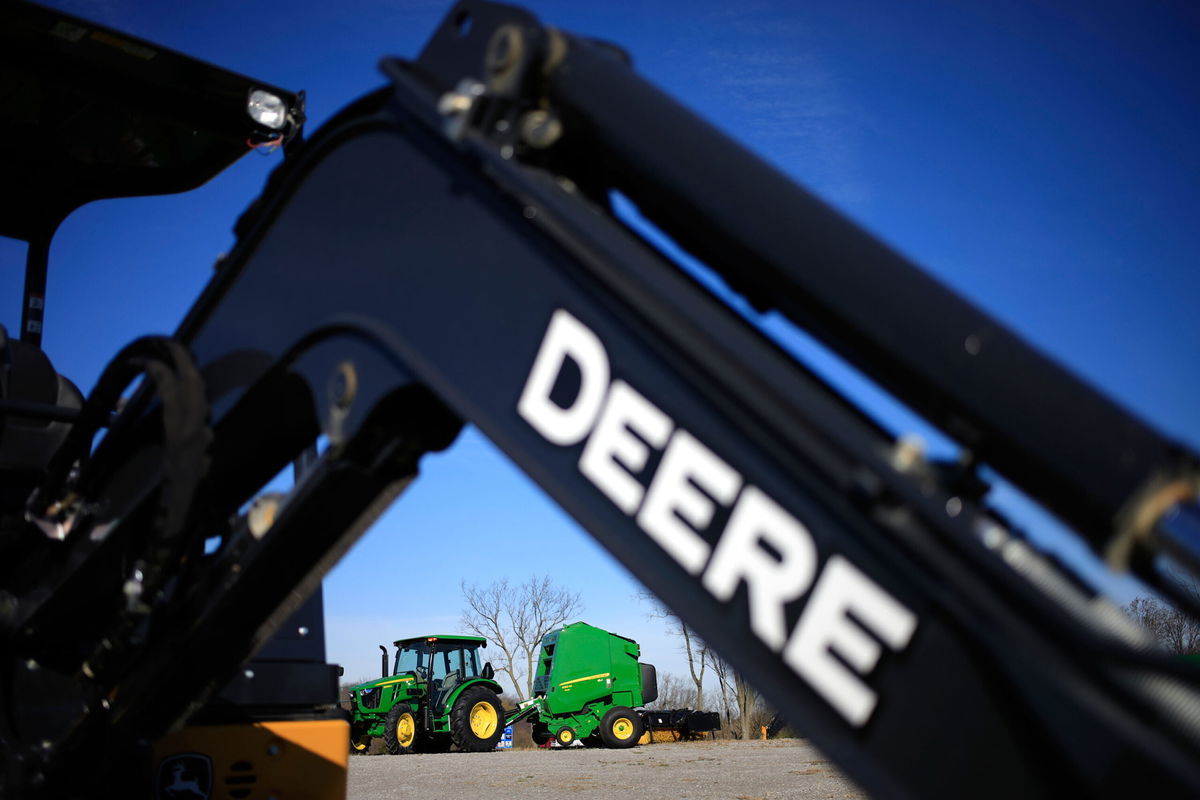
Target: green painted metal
<point>441,715</point>
<point>440,637</point>
<point>582,673</point>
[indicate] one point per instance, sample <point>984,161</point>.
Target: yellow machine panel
<point>302,760</point>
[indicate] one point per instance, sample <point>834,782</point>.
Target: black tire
<point>540,735</point>
<point>592,741</point>
<point>360,742</point>
<point>565,736</point>
<point>620,728</point>
<point>400,730</point>
<point>477,720</point>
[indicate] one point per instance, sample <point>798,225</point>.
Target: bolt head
<point>540,128</point>
<point>343,385</point>
<point>504,50</point>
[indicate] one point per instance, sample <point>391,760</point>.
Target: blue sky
<point>1040,158</point>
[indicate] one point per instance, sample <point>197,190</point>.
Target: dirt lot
<point>728,770</point>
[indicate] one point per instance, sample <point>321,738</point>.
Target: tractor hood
<point>404,677</point>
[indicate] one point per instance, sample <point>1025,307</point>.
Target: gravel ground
<point>726,770</point>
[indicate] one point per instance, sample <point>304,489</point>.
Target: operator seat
<point>27,443</point>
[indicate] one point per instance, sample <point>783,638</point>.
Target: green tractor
<point>436,695</point>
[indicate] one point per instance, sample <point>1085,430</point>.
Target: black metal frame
<point>411,257</point>
<point>187,117</point>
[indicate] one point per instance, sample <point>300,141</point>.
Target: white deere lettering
<point>772,581</point>
<point>675,508</point>
<point>826,628</point>
<point>613,455</point>
<point>762,545</point>
<point>566,338</point>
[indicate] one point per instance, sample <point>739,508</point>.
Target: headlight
<point>267,109</point>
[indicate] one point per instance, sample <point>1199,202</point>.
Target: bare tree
<point>549,607</point>
<point>724,674</point>
<point>1175,630</point>
<point>697,659</point>
<point>515,619</point>
<point>747,700</point>
<point>744,695</point>
<point>488,614</point>
<point>694,648</point>
<point>673,691</point>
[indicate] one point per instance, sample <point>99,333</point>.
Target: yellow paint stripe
<point>588,678</point>
<point>398,680</point>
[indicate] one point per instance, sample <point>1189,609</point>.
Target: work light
<point>267,109</point>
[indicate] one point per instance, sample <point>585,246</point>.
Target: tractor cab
<point>447,661</point>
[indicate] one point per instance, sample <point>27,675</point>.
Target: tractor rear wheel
<point>477,720</point>
<point>621,727</point>
<point>400,730</point>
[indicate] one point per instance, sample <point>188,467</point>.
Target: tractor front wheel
<point>400,730</point>
<point>477,720</point>
<point>621,727</point>
<point>360,740</point>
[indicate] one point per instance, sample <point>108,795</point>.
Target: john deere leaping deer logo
<point>187,776</point>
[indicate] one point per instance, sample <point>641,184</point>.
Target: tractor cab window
<point>412,657</point>
<point>441,664</point>
<point>464,660</point>
<point>471,661</point>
